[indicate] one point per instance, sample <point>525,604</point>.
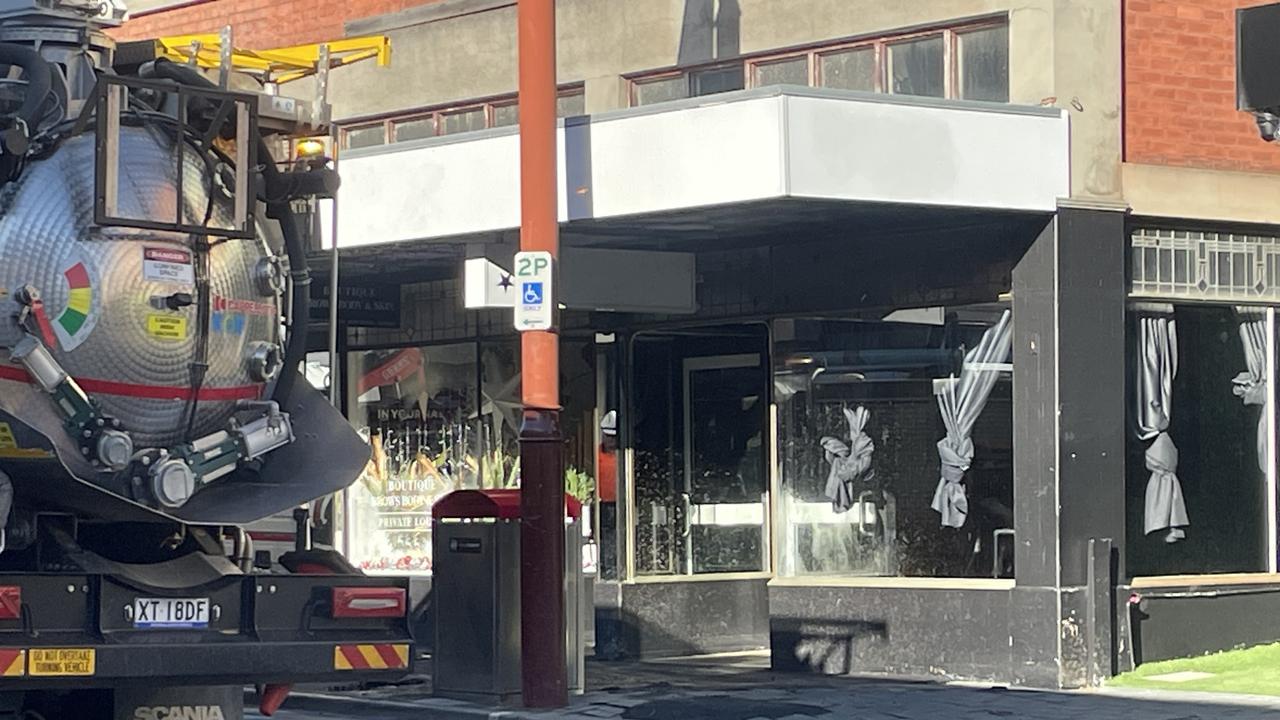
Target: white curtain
<point>961,401</point>
<point>1157,350</point>
<point>850,464</point>
<point>1251,385</point>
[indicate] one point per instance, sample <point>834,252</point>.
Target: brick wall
<point>1180,103</point>
<point>262,24</point>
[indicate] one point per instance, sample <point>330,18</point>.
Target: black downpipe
<point>39,79</point>
<point>280,210</point>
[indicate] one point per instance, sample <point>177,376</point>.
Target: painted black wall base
<point>907,632</point>
<point>670,619</point>
<point>1185,621</point>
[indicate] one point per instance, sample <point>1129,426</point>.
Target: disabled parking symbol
<point>531,293</point>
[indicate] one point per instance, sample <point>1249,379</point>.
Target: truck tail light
<point>10,602</point>
<point>369,602</point>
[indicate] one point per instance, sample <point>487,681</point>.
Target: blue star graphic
<point>506,282</point>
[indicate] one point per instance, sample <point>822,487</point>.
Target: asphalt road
<point>360,712</point>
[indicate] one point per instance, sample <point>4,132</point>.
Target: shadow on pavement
<point>742,687</point>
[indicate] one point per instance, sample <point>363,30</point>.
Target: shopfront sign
<point>358,305</point>
<point>533,279</point>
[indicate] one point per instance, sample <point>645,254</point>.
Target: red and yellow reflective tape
<point>13,662</point>
<point>381,656</point>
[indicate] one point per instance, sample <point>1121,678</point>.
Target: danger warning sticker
<point>167,327</point>
<point>167,265</point>
<point>61,661</point>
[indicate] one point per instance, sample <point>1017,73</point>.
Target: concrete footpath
<point>706,689</point>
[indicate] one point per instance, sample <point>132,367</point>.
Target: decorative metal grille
<point>1204,266</point>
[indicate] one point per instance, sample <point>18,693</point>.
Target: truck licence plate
<point>159,613</point>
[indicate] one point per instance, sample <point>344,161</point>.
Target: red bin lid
<point>499,504</point>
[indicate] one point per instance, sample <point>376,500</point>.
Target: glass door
<point>697,468</point>
<point>725,485</point>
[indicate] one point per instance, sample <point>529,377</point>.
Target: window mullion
<point>882,69</point>
<point>1270,409</point>
<point>949,64</point>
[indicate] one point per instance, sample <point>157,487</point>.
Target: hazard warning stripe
<point>383,656</point>
<point>13,663</point>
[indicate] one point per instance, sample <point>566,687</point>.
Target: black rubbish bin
<point>476,585</point>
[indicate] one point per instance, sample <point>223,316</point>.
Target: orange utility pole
<point>542,539</point>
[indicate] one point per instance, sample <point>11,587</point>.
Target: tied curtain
<point>1157,350</point>
<point>961,401</point>
<point>850,464</point>
<point>1251,385</point>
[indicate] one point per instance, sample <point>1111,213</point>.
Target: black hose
<point>280,210</point>
<point>39,80</point>
<point>295,349</point>
<point>6,499</point>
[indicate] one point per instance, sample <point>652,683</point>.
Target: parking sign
<point>535,300</point>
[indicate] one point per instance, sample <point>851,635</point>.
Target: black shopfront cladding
<point>851,386</point>
<point>825,373</point>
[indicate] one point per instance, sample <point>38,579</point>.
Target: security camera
<point>1268,125</point>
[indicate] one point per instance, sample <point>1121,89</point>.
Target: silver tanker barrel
<point>152,296</point>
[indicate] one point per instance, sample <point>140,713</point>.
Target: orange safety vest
<point>607,467</point>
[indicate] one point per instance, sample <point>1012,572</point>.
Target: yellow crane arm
<point>279,65</point>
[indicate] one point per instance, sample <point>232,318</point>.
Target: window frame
<point>1140,289</point>
<point>950,33</point>
<point>955,51</point>
<point>438,112</point>
<point>633,85</point>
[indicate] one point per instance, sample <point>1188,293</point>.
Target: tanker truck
<point>153,310</point>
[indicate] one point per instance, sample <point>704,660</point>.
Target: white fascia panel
<point>886,152</point>
<point>740,149</point>
<point>693,157</point>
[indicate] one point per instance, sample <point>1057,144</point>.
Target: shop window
<point>791,71</point>
<point>916,67</point>
<point>1201,464</point>
<point>699,429</point>
<point>365,136</point>
<point>415,128</point>
<point>416,408</point>
<point>895,444</point>
<point>500,412</point>
<point>853,69</point>
<point>984,63</point>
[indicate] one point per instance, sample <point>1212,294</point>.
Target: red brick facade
<point>1179,98</point>
<point>262,24</point>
